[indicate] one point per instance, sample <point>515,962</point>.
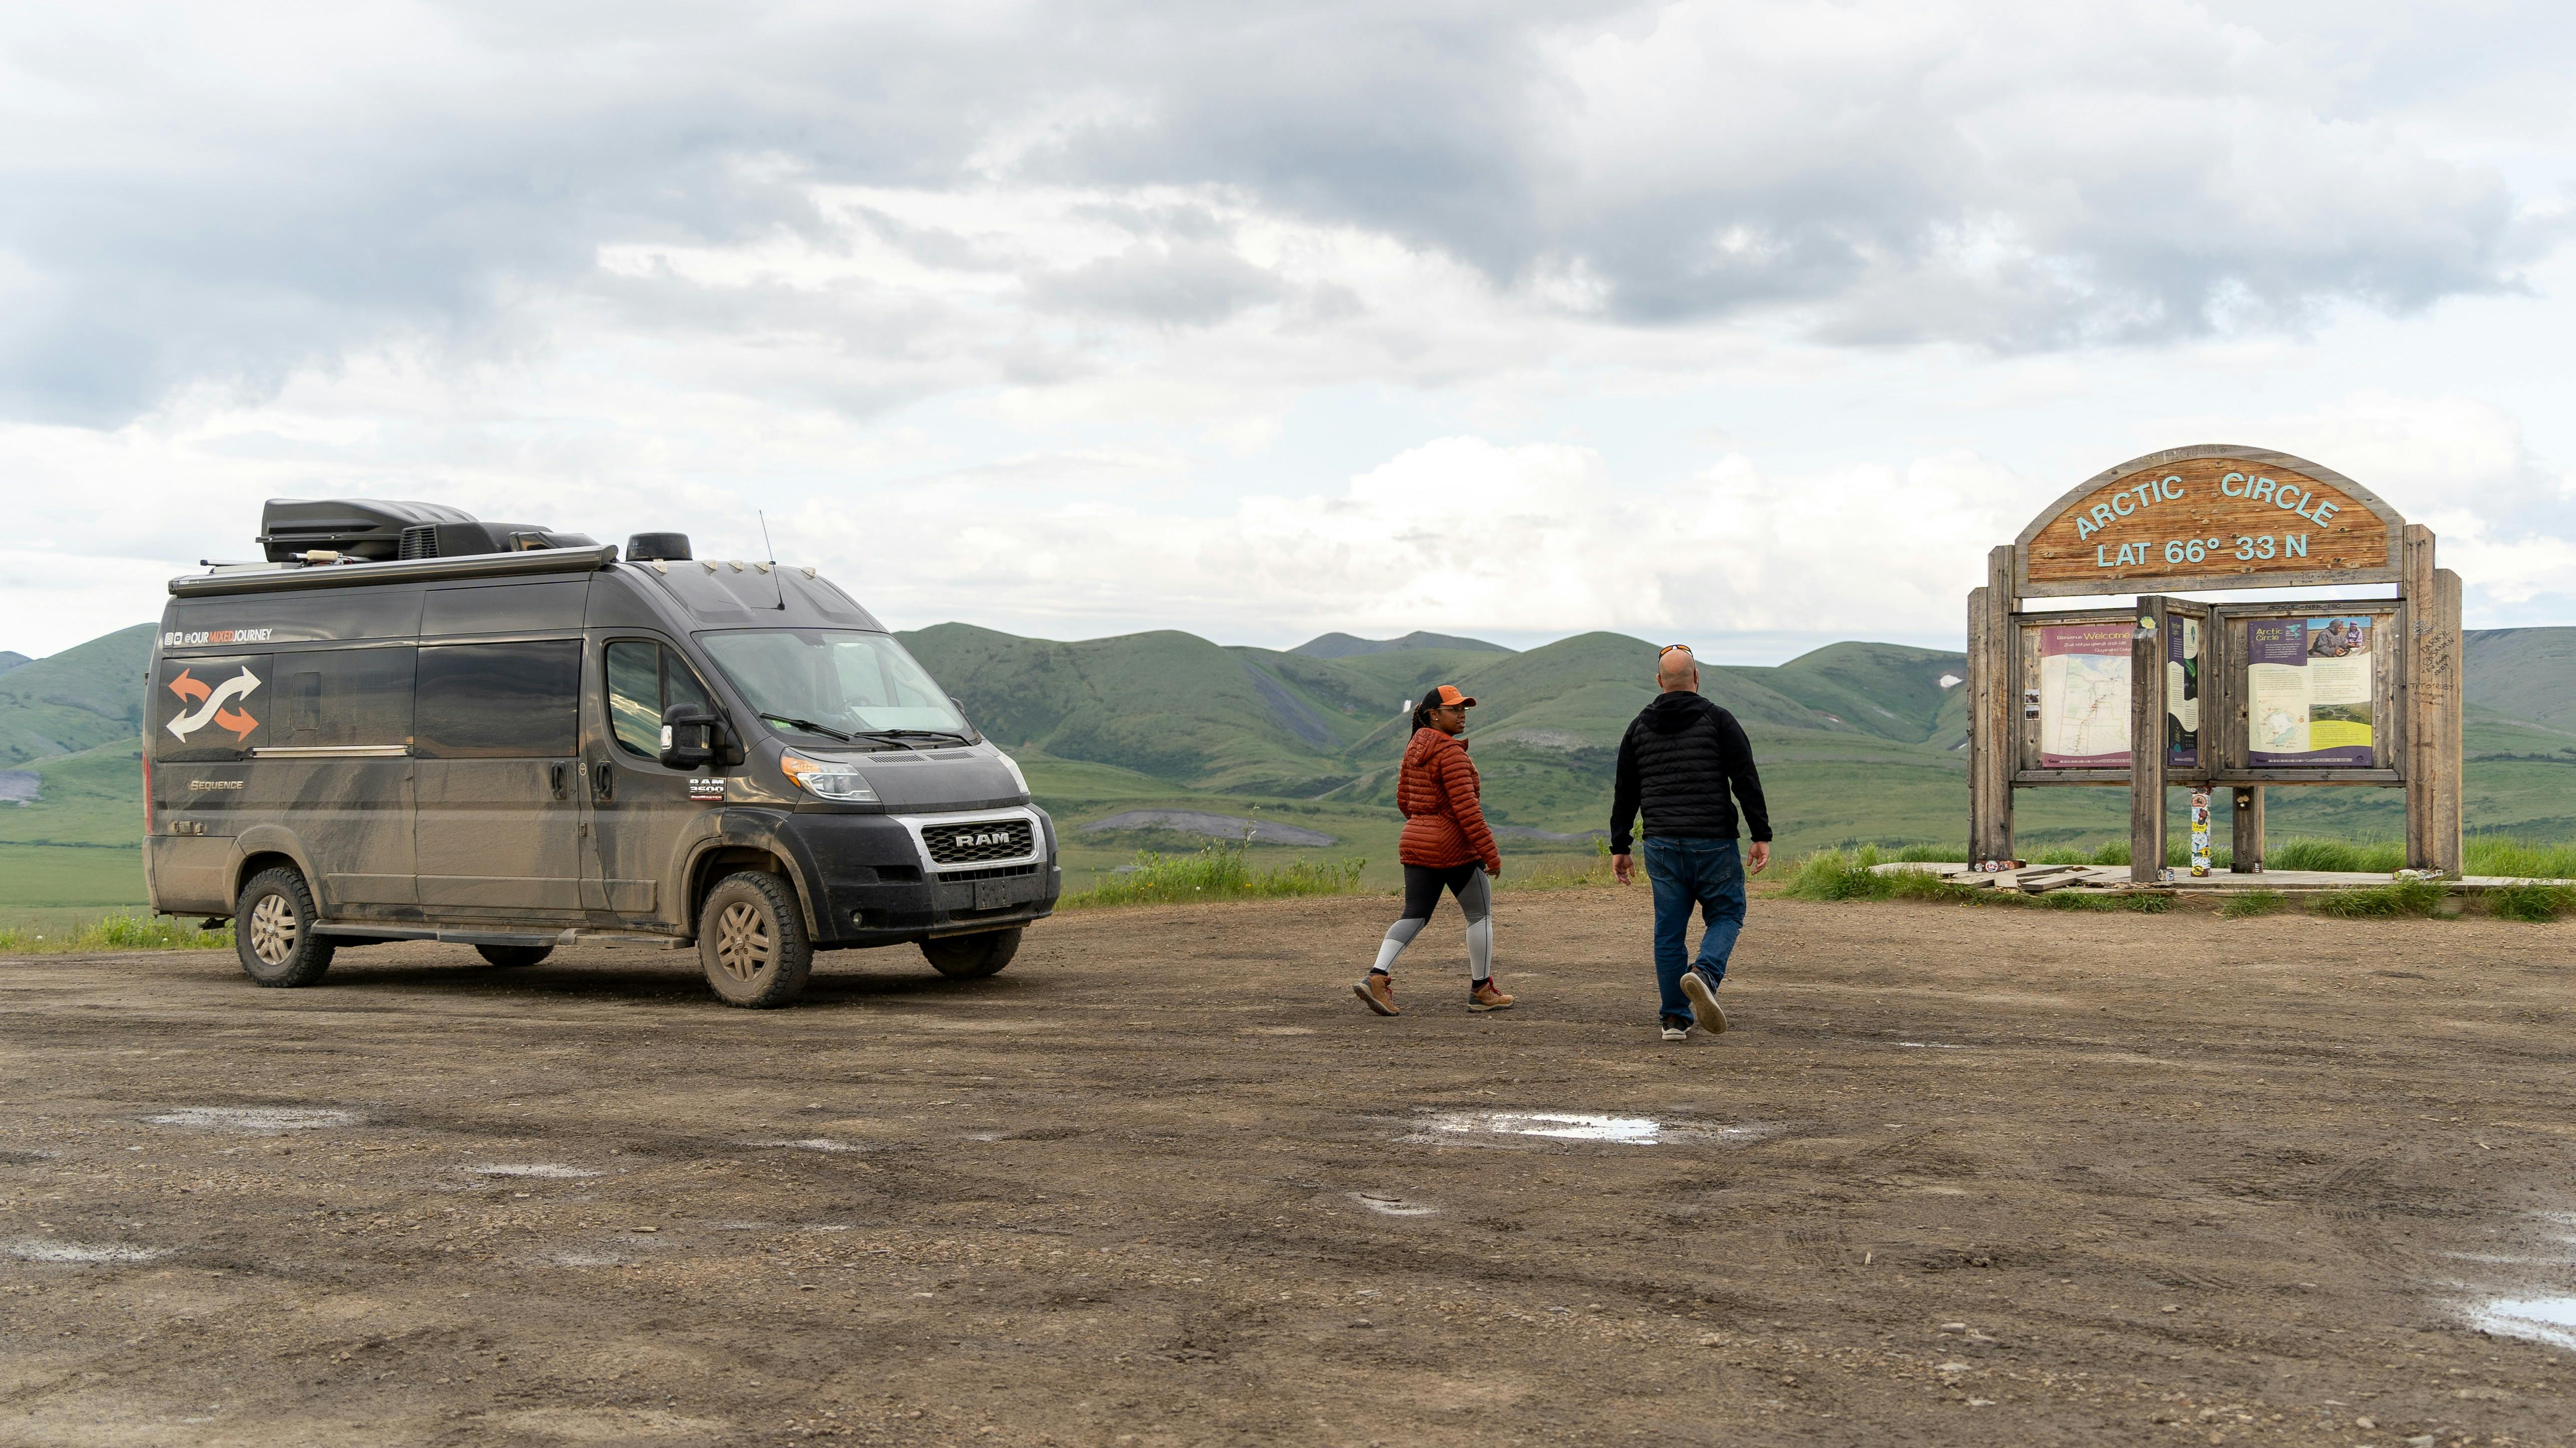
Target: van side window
<point>499,701</point>
<point>644,679</point>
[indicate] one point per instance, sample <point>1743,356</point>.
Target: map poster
<point>2084,696</point>
<point>2182,692</point>
<point>2307,691</point>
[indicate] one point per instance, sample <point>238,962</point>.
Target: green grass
<point>2138,903</point>
<point>1849,875</point>
<point>2530,900</point>
<point>114,932</point>
<point>2395,900</point>
<point>1222,871</point>
<point>78,877</point>
<point>1560,872</point>
<point>2253,903</point>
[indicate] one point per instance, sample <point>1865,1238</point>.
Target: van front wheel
<point>751,940</point>
<point>964,957</point>
<point>273,931</point>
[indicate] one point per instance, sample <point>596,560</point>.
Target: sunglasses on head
<point>1668,648</point>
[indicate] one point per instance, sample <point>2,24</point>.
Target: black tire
<point>273,931</point>
<point>964,957</point>
<point>510,957</point>
<point>751,941</point>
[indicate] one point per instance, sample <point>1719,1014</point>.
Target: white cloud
<point>1108,316</point>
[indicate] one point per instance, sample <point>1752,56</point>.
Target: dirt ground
<point>1958,1175</point>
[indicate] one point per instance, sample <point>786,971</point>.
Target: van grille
<point>990,872</point>
<point>979,842</point>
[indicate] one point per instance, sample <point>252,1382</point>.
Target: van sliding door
<point>496,738</point>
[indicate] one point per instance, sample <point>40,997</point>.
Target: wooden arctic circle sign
<point>2213,516</point>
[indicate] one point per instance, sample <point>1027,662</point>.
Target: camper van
<point>408,724</point>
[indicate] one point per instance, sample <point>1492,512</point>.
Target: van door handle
<point>555,779</point>
<point>603,782</point>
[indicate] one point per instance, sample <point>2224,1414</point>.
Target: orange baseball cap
<point>1446,695</point>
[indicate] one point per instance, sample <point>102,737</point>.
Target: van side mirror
<point>692,737</point>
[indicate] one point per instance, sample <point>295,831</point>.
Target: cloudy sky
<point>1747,323</point>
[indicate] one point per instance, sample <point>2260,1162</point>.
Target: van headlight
<point>832,779</point>
<point>1013,766</point>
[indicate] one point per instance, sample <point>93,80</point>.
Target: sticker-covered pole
<point>2147,743</point>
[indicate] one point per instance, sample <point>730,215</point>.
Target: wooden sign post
<point>2355,692</point>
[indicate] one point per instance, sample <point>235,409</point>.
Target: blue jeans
<point>1684,873</point>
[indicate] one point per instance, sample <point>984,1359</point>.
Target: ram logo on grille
<point>978,843</point>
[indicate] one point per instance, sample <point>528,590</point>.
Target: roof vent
<point>661,547</point>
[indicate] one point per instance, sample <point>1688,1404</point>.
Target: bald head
<point>1676,671</point>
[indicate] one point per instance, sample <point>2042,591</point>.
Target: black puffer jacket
<point>1678,760</point>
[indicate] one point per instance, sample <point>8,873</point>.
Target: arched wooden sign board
<point>2209,517</point>
<point>2206,518</point>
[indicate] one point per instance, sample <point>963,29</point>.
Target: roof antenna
<point>772,550</point>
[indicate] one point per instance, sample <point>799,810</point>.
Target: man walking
<point>1677,761</point>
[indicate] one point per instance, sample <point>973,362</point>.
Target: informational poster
<point>2084,696</point>
<point>2182,692</point>
<point>2308,691</point>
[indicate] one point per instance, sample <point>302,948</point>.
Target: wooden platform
<point>2035,879</point>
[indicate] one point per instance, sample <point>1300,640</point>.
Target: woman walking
<point>1446,847</point>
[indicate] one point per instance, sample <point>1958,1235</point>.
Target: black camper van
<point>408,724</point>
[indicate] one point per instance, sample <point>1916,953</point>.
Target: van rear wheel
<point>510,956</point>
<point>964,957</point>
<point>273,931</point>
<point>751,940</point>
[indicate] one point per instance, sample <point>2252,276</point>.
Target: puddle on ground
<point>2542,1319</point>
<point>549,1170</point>
<point>37,1249</point>
<point>1386,1206</point>
<point>1477,1128</point>
<point>1279,1030</point>
<point>582,1259</point>
<point>811,1143</point>
<point>254,1120</point>
<point>1930,1046</point>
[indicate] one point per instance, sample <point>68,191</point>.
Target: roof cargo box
<point>356,527</point>
<point>380,531</point>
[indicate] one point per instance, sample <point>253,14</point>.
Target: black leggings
<point>1423,884</point>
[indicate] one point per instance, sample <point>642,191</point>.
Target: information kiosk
<point>2171,691</point>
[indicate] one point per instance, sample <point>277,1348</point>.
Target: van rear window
<point>505,701</point>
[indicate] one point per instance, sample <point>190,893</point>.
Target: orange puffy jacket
<point>1444,826</point>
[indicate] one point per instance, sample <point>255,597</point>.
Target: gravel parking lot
<point>1961,1175</point>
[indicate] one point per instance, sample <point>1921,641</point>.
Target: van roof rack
<point>475,565</point>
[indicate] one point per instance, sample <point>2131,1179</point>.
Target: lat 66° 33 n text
<point>2243,549</point>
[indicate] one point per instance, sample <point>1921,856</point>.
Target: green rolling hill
<point>77,699</point>
<point>1858,741</point>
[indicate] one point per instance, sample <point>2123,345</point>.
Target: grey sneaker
<point>1676,1029</point>
<point>1704,1002</point>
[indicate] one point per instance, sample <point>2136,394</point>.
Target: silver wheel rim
<point>743,944</point>
<point>272,930</point>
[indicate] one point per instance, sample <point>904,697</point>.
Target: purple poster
<point>2308,691</point>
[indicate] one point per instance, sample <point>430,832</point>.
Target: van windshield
<point>848,682</point>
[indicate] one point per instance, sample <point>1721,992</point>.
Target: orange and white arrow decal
<point>211,704</point>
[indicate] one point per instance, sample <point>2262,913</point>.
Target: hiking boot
<point>1378,991</point>
<point>1703,999</point>
<point>1676,1029</point>
<point>1484,995</point>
